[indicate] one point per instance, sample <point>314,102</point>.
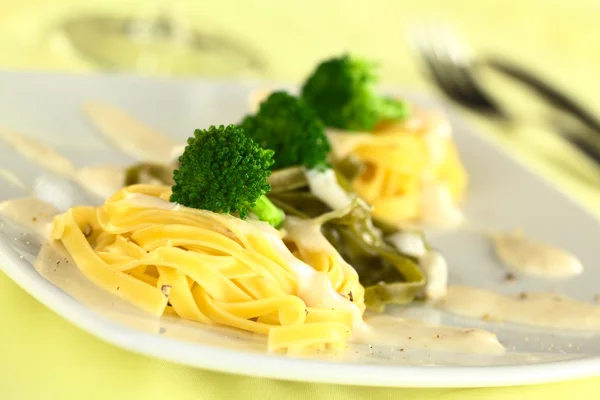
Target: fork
<point>451,64</point>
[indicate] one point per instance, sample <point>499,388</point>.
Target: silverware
<point>452,65</point>
<point>544,89</point>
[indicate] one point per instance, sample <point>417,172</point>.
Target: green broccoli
<point>287,125</point>
<point>222,170</point>
<point>341,91</point>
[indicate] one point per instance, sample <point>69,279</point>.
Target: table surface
<point>43,355</point>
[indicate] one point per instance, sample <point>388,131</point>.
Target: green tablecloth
<point>45,357</point>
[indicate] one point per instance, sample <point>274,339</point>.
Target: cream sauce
<point>314,287</point>
<point>542,309</point>
<point>412,334</point>
<point>308,232</point>
<point>12,179</point>
<point>436,270</point>
<point>438,208</point>
<point>408,243</point>
<point>37,152</point>
<point>130,135</point>
<point>433,263</point>
<point>535,258</point>
<point>548,310</point>
<point>102,180</point>
<point>32,213</point>
<point>326,187</point>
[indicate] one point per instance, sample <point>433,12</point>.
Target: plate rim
<point>281,367</point>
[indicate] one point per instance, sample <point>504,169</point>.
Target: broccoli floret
<point>224,171</point>
<point>285,124</point>
<point>341,91</point>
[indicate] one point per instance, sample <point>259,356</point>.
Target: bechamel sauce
<point>437,206</point>
<point>531,257</point>
<point>41,154</point>
<point>11,178</point>
<point>130,135</point>
<point>412,334</point>
<point>314,288</point>
<point>101,180</point>
<point>32,213</point>
<point>436,269</point>
<point>548,310</point>
<point>326,187</point>
<point>541,309</point>
<point>433,263</point>
<point>408,243</point>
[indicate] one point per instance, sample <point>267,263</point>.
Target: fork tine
<point>448,61</point>
<point>436,66</point>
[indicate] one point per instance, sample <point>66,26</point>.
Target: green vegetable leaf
<point>387,275</point>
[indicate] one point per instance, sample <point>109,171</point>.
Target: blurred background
<point>288,38</point>
<point>556,40</point>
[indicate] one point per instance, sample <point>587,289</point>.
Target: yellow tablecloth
<point>43,356</point>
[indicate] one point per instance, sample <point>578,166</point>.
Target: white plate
<point>502,195</point>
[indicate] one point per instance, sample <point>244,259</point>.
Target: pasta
<point>401,159</point>
<point>214,269</point>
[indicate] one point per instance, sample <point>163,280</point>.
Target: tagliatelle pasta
<point>214,269</point>
<point>400,160</point>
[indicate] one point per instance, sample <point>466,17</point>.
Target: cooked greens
<point>387,275</point>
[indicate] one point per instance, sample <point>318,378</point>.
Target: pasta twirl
<point>213,269</point>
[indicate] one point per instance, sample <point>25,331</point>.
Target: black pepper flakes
<point>350,296</point>
<point>510,277</point>
<point>522,296</point>
<point>162,330</point>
